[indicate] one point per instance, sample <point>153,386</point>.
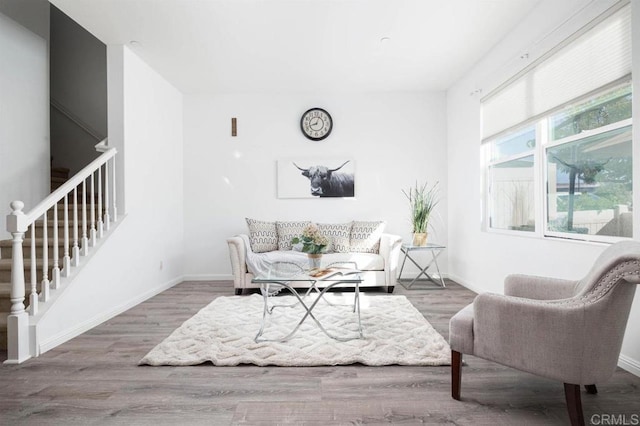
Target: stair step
<point>5,270</point>
<point>39,241</point>
<point>40,227</point>
<point>61,172</point>
<point>6,247</point>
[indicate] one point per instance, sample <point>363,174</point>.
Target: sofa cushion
<point>262,235</point>
<point>288,230</point>
<point>365,236</point>
<point>363,261</point>
<point>339,235</point>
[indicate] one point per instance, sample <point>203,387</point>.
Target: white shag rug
<point>395,332</point>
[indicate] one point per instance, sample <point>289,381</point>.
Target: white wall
<point>394,138</point>
<point>481,260</point>
<point>24,117</point>
<point>145,254</point>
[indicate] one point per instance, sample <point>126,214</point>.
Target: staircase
<point>48,244</point>
<point>59,175</point>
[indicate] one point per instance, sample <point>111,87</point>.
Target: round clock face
<point>316,124</point>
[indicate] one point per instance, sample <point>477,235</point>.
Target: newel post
<point>18,320</point>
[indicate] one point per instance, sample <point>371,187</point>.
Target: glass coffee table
<point>288,275</point>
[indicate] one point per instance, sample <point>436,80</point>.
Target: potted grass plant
<point>422,201</point>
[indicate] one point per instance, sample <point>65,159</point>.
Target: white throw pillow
<point>339,235</point>
<point>365,236</point>
<point>263,236</point>
<point>288,230</point>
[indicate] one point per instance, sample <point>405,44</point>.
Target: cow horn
<point>333,170</point>
<point>304,170</point>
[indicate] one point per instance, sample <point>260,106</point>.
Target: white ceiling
<point>303,45</point>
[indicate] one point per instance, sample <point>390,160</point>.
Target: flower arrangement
<point>313,242</point>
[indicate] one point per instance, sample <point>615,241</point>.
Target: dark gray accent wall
<point>78,71</point>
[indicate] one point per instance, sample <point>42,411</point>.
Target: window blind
<point>594,57</point>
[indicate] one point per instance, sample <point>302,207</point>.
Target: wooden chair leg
<point>574,404</point>
<point>456,374</point>
<point>591,389</point>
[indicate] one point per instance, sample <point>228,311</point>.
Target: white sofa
<point>379,265</point>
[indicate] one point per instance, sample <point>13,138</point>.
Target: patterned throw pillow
<point>365,236</point>
<point>338,234</point>
<point>288,230</point>
<point>262,235</point>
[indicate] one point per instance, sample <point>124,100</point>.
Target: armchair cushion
<point>539,337</point>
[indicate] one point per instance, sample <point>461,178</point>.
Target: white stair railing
<point>19,345</point>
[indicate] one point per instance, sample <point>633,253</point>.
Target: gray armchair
<point>564,330</point>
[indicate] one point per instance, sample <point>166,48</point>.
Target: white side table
<point>434,249</point>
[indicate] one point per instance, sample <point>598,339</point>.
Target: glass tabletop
<point>429,246</point>
<point>286,271</point>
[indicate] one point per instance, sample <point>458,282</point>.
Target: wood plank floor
<point>94,379</point>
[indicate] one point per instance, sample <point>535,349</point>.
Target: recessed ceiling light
<point>135,43</point>
<point>385,40</point>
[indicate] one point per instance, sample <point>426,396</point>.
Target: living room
<point>207,181</point>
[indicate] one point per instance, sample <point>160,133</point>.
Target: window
<point>563,168</point>
<point>511,174</point>
<point>589,179</point>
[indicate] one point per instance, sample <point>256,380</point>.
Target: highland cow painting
<point>316,178</point>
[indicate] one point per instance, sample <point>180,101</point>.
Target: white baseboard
<point>629,364</point>
<point>61,338</point>
<point>465,283</point>
<point>208,277</point>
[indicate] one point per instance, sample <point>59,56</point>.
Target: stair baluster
<point>55,272</point>
<point>76,250</point>
<point>107,219</point>
<point>92,231</point>
<point>33,297</point>
<point>85,239</point>
<point>113,174</point>
<point>44,285</point>
<point>66,260</point>
<point>100,223</point>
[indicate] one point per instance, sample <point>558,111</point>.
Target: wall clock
<point>316,124</point>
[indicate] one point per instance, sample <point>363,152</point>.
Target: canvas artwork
<point>316,178</point>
